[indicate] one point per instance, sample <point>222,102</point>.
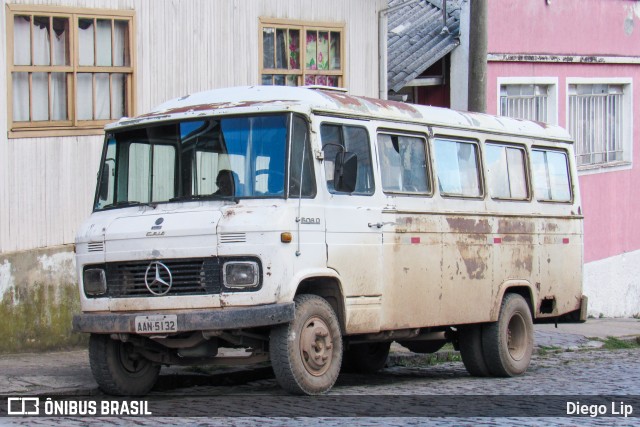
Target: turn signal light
<point>286,237</point>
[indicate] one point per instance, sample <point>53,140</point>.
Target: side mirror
<point>346,172</point>
<point>103,192</point>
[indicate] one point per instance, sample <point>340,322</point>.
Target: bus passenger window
<point>506,176</point>
<point>551,175</point>
<point>354,139</point>
<point>457,165</point>
<point>403,164</point>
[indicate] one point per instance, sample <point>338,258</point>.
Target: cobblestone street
<point>568,373</point>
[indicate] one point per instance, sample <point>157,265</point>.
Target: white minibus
<point>312,228</point>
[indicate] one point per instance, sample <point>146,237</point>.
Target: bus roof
<point>330,101</point>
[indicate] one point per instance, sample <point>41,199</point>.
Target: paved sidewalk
<point>69,373</point>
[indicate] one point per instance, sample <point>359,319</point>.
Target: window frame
<point>479,164</point>
<point>372,159</point>
<point>72,126</point>
<point>526,165</point>
<point>552,98</point>
<point>570,177</point>
<point>628,120</point>
<point>427,154</point>
<point>308,150</point>
<point>303,27</point>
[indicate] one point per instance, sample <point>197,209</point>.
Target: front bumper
<point>197,320</point>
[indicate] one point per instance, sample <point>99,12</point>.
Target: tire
<point>367,358</point>
<point>306,353</point>
<point>508,343</point>
<point>470,342</point>
<point>423,347</point>
<point>119,371</point>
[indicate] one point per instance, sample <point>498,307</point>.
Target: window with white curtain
<point>70,71</point>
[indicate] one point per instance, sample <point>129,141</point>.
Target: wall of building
<point>47,184</point>
<point>587,29</point>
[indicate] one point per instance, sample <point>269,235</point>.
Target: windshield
<point>212,158</point>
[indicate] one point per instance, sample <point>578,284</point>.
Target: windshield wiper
<point>127,203</point>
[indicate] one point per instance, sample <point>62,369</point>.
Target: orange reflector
<point>286,237</point>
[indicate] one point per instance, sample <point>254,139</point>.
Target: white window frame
<point>552,97</point>
<point>627,111</point>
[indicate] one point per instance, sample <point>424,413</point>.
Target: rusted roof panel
<point>263,99</point>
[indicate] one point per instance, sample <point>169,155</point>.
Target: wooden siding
<point>47,184</point>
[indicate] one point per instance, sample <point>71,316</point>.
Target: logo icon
<point>158,278</point>
<point>23,406</point>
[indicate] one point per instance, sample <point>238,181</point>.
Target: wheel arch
<point>329,288</point>
<point>520,287</point>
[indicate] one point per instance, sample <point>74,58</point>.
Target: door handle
<point>380,224</point>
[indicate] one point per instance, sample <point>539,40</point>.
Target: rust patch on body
<point>474,260</point>
<point>213,106</point>
<point>523,262</point>
<point>550,227</point>
<point>465,225</point>
<point>525,239</point>
<point>509,226</point>
<point>371,105</point>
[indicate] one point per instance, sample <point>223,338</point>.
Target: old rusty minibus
<point>312,228</point>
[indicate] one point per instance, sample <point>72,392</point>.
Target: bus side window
<point>457,166</point>
<point>506,173</point>
<point>354,139</point>
<point>403,164</point>
<point>551,175</point>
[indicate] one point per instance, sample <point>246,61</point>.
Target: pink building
<point>576,63</point>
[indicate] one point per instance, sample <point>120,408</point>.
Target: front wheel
<point>306,353</point>
<point>118,370</point>
<point>508,343</point>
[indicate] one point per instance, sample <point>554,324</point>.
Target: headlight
<point>95,281</point>
<point>241,274</point>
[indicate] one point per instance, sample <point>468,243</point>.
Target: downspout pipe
<point>383,21</point>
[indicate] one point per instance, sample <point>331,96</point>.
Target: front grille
<point>200,276</point>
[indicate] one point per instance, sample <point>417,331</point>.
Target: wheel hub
<point>316,346</point>
<point>517,337</point>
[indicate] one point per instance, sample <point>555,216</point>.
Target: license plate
<point>161,323</point>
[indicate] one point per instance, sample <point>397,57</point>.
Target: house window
<point>597,119</point>
<point>306,54</point>
<point>525,101</point>
<point>70,71</point>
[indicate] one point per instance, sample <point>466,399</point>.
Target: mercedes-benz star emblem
<point>161,279</point>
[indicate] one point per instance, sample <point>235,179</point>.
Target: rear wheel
<point>119,370</point>
<point>367,358</point>
<point>306,353</point>
<point>470,342</point>
<point>508,343</point>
